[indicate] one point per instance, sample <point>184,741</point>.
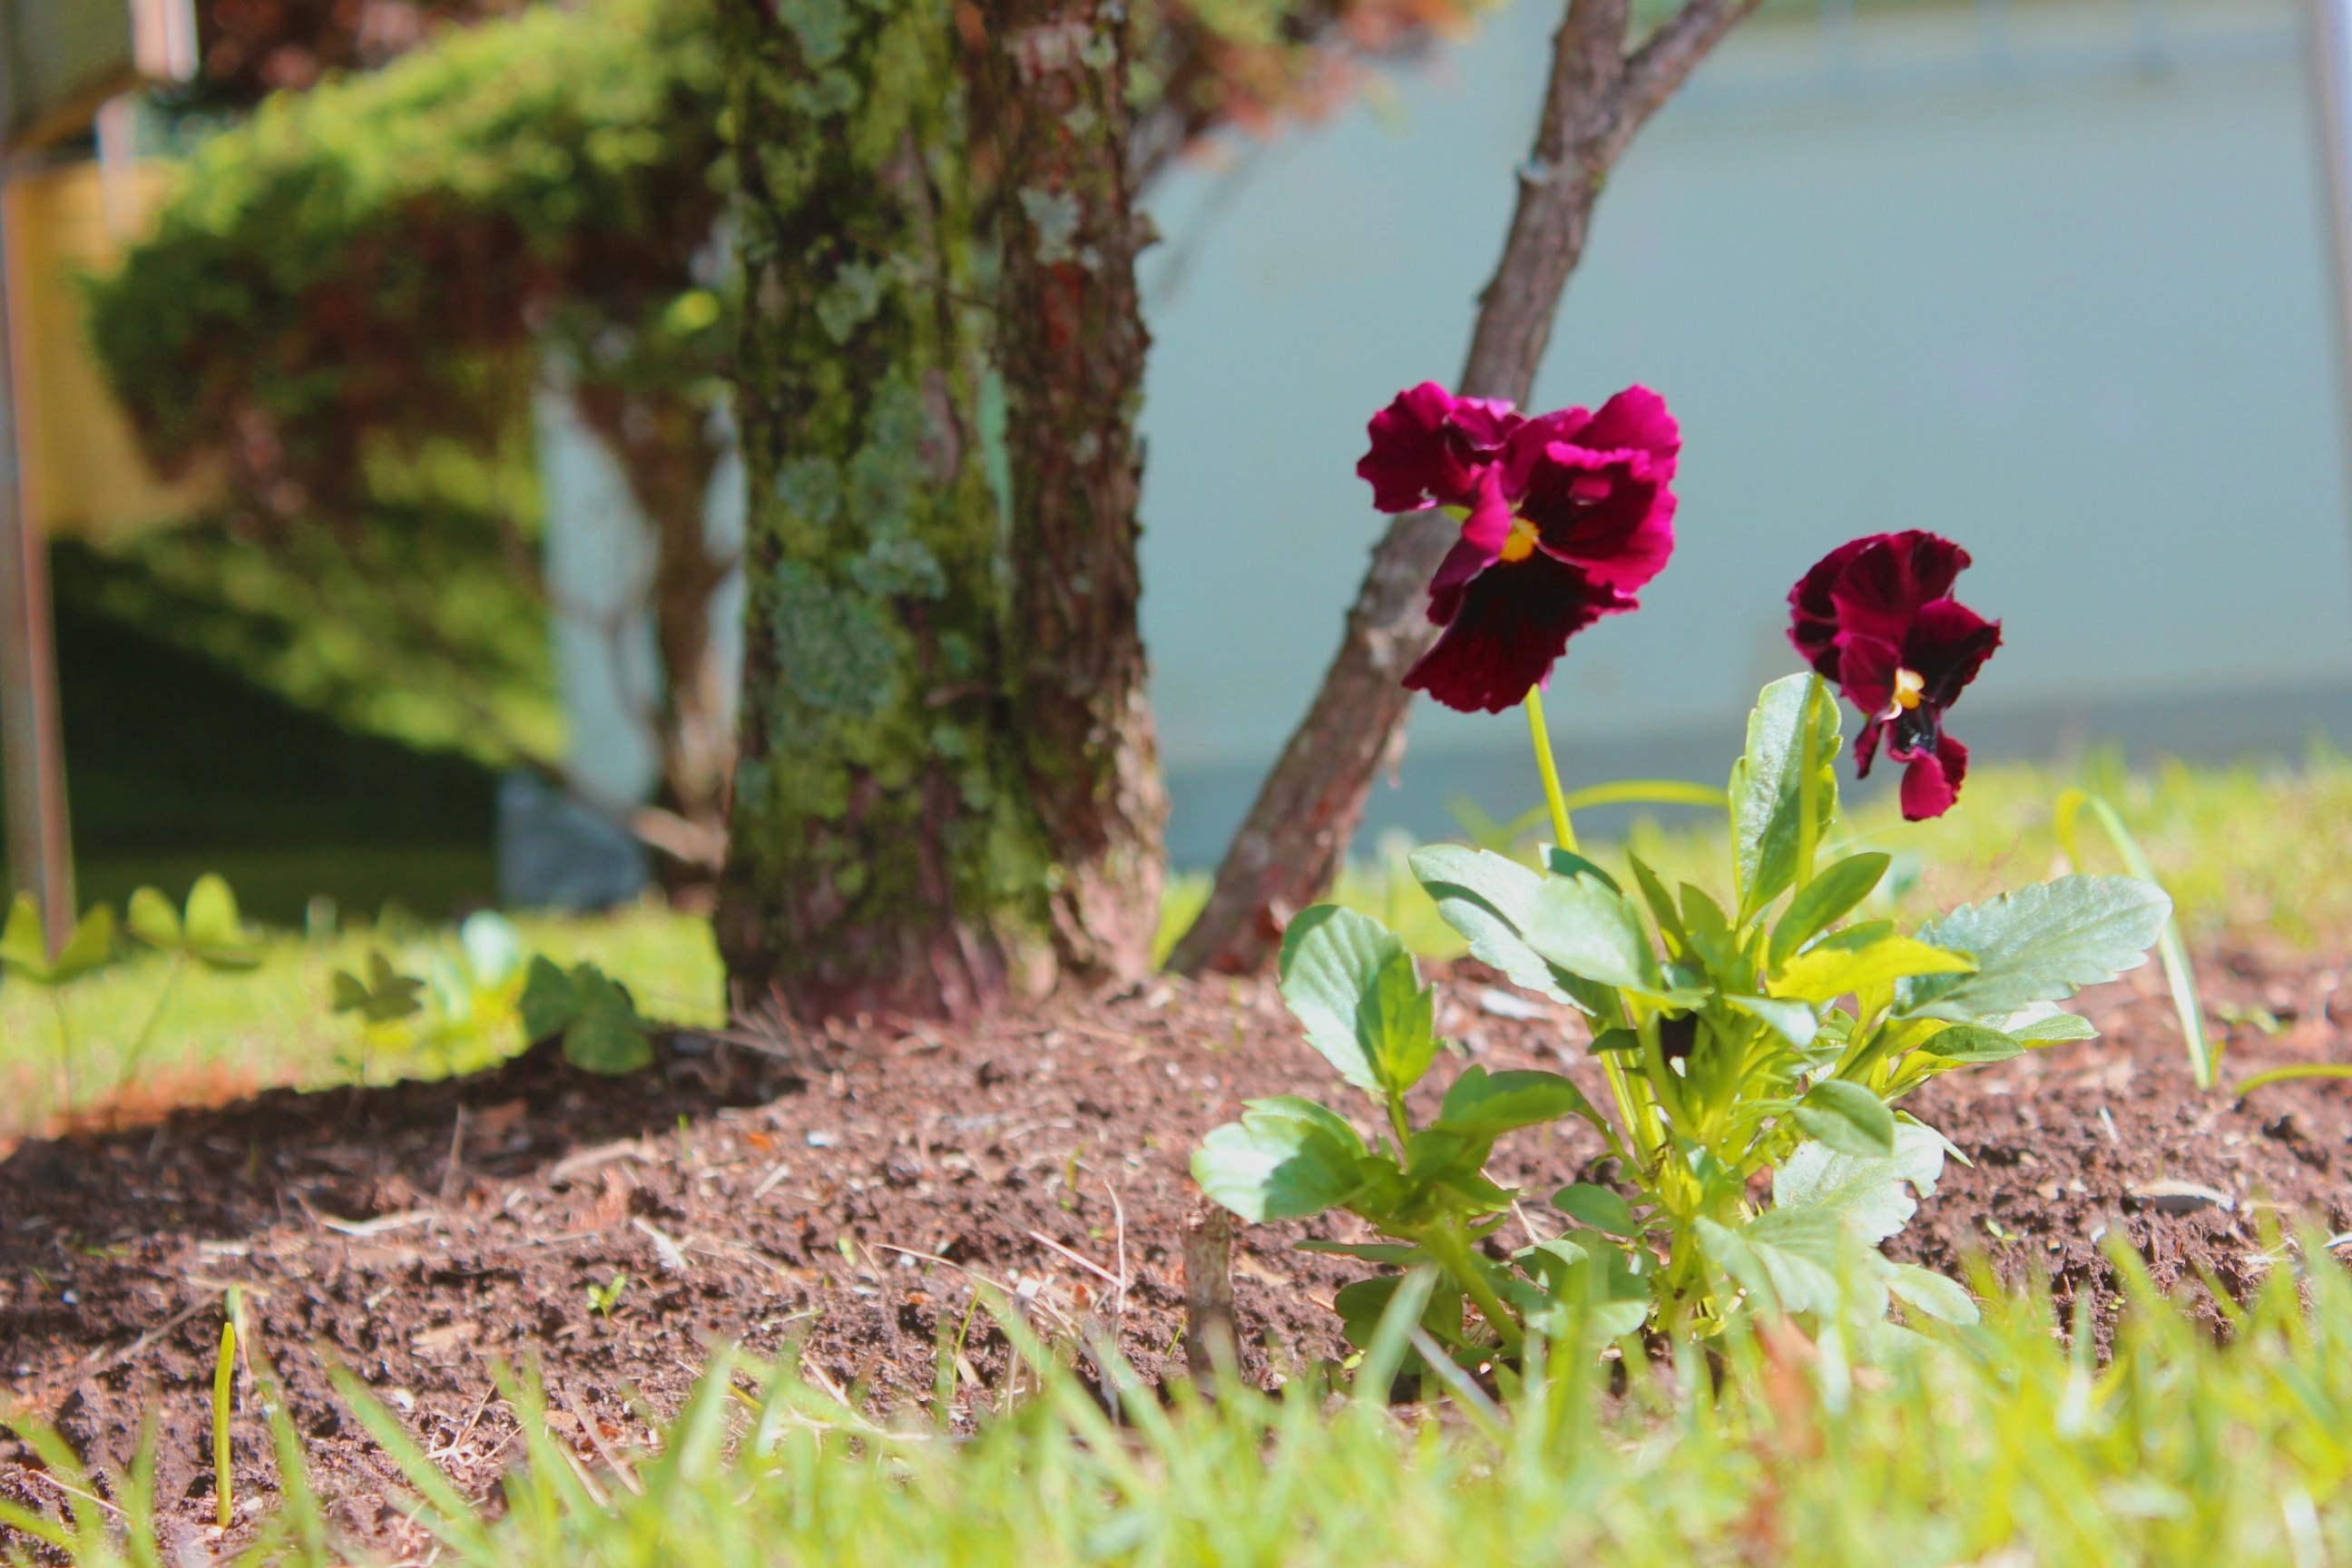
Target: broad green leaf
<point>1931,1293</point>
<point>2044,1023</point>
<point>1481,1104</point>
<point>1857,959</point>
<point>1589,930</point>
<point>216,936</point>
<point>1396,1023</point>
<point>1596,1283</point>
<point>1489,898</point>
<point>1445,1175</point>
<point>1711,941</point>
<point>1569,863</point>
<point>1971,1043</point>
<point>1765,787</point>
<point>607,1035</point>
<point>1599,1207</point>
<point>1792,1021</point>
<point>549,1002</point>
<point>1847,1118</point>
<point>2041,944</point>
<point>1392,1252</point>
<point>1662,907</point>
<point>385,996</point>
<point>89,947</point>
<point>1331,957</point>
<point>1872,1193</point>
<point>1286,1158</point>
<point>1361,1305</point>
<point>151,918</point>
<point>1820,903</point>
<point>1788,1260</point>
<point>24,942</point>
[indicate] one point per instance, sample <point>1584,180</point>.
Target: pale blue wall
<point>2055,287</point>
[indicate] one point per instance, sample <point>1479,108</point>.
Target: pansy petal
<point>1931,783</point>
<point>1613,517</point>
<point>1485,424</point>
<point>1881,589</point>
<point>1417,458</point>
<point>1635,420</point>
<point>1866,670</point>
<point>1947,643</point>
<point>1512,622</point>
<point>1812,609</point>
<point>1461,564</point>
<point>1865,746</point>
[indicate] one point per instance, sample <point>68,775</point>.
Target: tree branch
<point>1288,849</point>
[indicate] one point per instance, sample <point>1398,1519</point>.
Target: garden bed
<point>843,1192</point>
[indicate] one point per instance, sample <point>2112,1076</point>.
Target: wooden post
<point>40,841</point>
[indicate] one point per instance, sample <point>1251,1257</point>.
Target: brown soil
<point>843,1192</point>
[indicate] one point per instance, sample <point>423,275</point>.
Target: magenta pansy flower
<point>1564,517</point>
<point>1876,616</point>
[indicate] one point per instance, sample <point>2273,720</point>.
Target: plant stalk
<point>1808,823</point>
<point>1453,1251</point>
<point>1563,831</point>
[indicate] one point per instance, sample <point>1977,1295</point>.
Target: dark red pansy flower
<point>1878,617</point>
<point>1564,516</point>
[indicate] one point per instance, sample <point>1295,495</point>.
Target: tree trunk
<point>1289,847</point>
<point>944,772</point>
<point>1054,83</point>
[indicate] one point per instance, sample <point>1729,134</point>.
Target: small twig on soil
<point>1208,1292</point>
<point>1092,1268</point>
<point>457,1146</point>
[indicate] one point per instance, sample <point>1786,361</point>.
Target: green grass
<point>222,1034</point>
<point>1993,1445</point>
<point>2255,850</point>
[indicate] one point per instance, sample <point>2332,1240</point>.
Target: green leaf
<point>1599,1207</point>
<point>151,918</point>
<point>215,933</point>
<point>1932,1293</point>
<point>1872,1194</point>
<point>386,994</point>
<point>1711,938</point>
<point>1589,930</point>
<point>1792,1021</point>
<point>1361,1305</point>
<point>1331,959</point>
<point>549,1002</point>
<point>1394,1252</point>
<point>1662,908</point>
<point>1488,899</point>
<point>2045,1023</point>
<point>1790,1259</point>
<point>2041,944</point>
<point>1820,903</point>
<point>1765,787</point>
<point>1286,1158</point>
<point>25,943</point>
<point>1972,1045</point>
<point>607,1035</point>
<point>1859,958</point>
<point>1484,1105</point>
<point>89,947</point>
<point>1396,1023</point>
<point>1569,863</point>
<point>1848,1117</point>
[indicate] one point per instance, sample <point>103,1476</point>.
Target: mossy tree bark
<point>898,841</point>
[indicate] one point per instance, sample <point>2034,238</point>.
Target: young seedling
<point>603,1299</point>
<point>210,934</point>
<point>25,955</point>
<point>591,1013</point>
<point>224,1398</point>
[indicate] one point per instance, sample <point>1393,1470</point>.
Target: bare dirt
<point>840,1194</point>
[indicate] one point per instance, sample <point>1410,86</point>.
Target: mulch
<point>837,1195</point>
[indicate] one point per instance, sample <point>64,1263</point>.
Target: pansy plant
<point>1757,1040</point>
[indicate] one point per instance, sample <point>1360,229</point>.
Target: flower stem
<point>1453,1250</point>
<point>1808,824</point>
<point>1562,831</point>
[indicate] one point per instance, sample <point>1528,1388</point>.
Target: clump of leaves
<point>1766,1035</point>
<point>593,1014</point>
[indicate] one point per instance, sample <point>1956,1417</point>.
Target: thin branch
<point>1668,57</point>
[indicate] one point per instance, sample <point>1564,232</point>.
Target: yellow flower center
<point>1521,543</point>
<point>1908,685</point>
